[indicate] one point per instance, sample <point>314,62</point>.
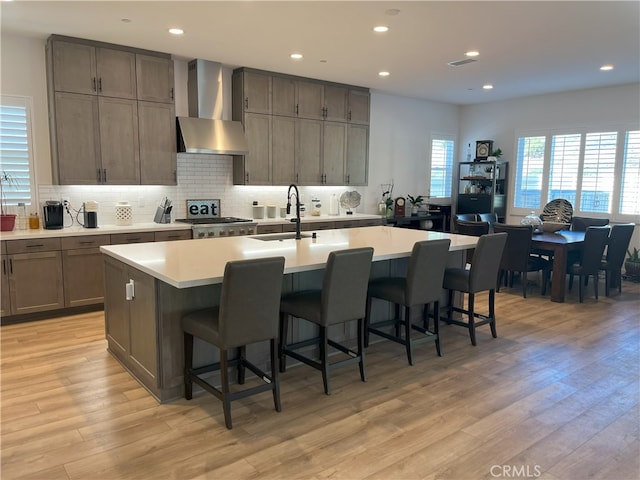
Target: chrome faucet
<point>297,219</point>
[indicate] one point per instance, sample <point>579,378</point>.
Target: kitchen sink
<point>281,236</point>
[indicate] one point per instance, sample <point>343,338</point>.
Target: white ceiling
<point>526,48</point>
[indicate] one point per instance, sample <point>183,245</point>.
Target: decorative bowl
<point>553,227</point>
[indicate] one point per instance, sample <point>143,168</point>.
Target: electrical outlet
<point>66,203</point>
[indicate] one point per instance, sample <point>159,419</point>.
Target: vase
<point>7,222</point>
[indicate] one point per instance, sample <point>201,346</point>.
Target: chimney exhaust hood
<point>206,130</point>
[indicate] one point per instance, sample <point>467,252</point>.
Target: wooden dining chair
<point>590,257</point>
<point>619,239</point>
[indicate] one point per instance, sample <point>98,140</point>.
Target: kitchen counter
<point>101,230</point>
<point>185,264</point>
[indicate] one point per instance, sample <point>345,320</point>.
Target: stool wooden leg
<point>282,341</point>
<point>492,313</point>
<point>324,359</point>
<point>472,322</point>
<point>224,377</point>
<point>361,336</point>
<point>242,355</point>
<point>436,326</point>
<point>275,377</point>
<point>407,334</point>
<point>188,365</point>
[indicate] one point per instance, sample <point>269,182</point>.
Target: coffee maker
<point>53,215</point>
<point>90,210</point>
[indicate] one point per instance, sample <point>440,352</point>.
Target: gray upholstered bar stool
<point>248,313</point>
<point>482,276</point>
<point>421,286</point>
<point>343,298</point>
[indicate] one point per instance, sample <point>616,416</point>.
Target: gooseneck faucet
<point>297,219</point>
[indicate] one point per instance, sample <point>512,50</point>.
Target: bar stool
<point>421,286</point>
<point>343,298</point>
<point>482,276</point>
<point>248,313</point>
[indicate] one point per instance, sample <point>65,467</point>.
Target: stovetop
<point>212,220</point>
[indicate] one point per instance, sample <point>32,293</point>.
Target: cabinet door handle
<point>297,110</point>
<point>246,102</point>
<point>348,179</point>
<point>246,177</point>
<point>296,178</point>
<point>324,112</point>
<point>349,115</point>
<point>100,84</point>
<point>104,175</point>
<point>4,266</point>
<point>99,174</point>
<point>11,266</point>
<point>171,93</point>
<point>93,84</point>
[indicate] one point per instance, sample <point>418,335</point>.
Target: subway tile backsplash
<point>199,176</point>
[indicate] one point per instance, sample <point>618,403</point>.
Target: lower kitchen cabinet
<point>5,299</point>
<point>83,271</point>
<point>168,236</point>
<point>260,229</point>
<point>130,323</point>
<point>34,275</point>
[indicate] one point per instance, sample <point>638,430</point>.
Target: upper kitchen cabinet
<point>335,103</point>
<point>359,101</point>
<point>81,68</point>
<point>251,91</point>
<point>254,168</point>
<point>157,134</point>
<point>309,100</point>
<point>154,79</point>
<point>104,123</point>
<point>356,165</point>
<point>283,96</point>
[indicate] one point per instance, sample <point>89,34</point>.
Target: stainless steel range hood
<point>207,129</point>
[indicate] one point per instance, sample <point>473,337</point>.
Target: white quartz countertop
<point>190,263</point>
<point>101,230</point>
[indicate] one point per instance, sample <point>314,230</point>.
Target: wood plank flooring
<point>556,396</point>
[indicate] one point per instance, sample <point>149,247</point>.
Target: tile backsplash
<point>199,176</point>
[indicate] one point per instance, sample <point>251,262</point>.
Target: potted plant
<point>632,263</point>
<point>415,202</point>
<point>488,172</point>
<point>7,220</point>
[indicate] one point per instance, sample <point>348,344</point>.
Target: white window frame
<point>447,137</point>
<point>621,129</point>
<point>27,103</point>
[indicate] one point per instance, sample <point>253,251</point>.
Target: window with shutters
<point>441,172</point>
<point>598,171</point>
<point>16,159</point>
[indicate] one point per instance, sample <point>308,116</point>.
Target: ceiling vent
<point>458,63</point>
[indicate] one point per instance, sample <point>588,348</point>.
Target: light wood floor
<point>555,396</point>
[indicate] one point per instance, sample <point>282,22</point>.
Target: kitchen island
<point>150,286</point>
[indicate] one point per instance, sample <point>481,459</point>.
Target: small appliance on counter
<point>89,212</point>
<point>53,215</point>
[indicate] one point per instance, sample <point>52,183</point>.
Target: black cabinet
<point>482,188</point>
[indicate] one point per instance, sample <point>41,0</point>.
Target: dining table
<point>559,244</point>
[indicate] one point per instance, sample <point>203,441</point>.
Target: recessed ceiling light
<point>472,53</point>
<point>606,68</point>
<point>125,20</point>
<point>296,56</point>
<point>380,28</point>
<point>488,86</point>
<point>392,12</point>
<point>176,31</point>
<point>384,74</point>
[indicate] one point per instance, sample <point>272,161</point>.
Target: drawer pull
<point>87,242</point>
<point>35,245</point>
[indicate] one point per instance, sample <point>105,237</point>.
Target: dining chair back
<point>595,241</point>
<point>490,218</point>
<point>580,224</point>
<point>619,239</point>
<point>248,313</point>
<point>343,298</point>
<point>517,256</point>
<point>467,217</point>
